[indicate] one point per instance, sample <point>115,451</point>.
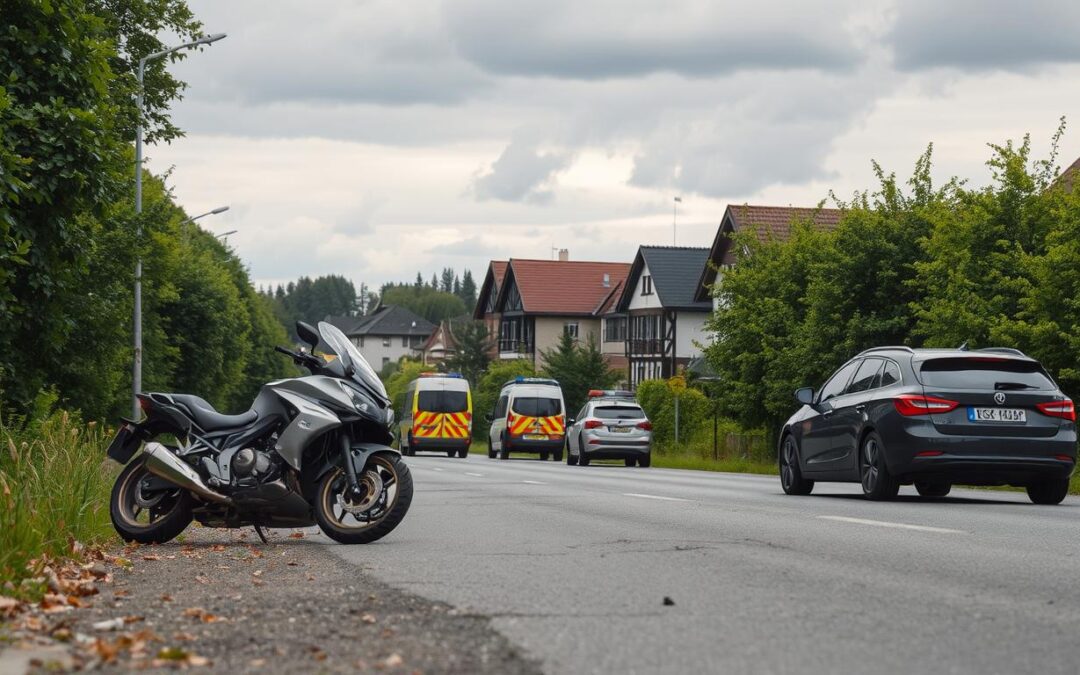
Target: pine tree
<point>468,290</point>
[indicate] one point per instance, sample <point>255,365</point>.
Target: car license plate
<point>536,437</point>
<point>1014,415</point>
<point>619,430</point>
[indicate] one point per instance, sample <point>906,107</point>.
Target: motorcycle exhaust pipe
<point>162,463</point>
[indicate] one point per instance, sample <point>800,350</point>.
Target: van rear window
<point>537,407</point>
<point>984,373</point>
<point>439,401</point>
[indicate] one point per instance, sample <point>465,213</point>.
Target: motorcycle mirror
<point>307,334</point>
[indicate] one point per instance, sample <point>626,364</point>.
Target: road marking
<point>435,468</point>
<point>533,482</point>
<point>884,523</point>
<point>666,499</point>
<point>478,475</point>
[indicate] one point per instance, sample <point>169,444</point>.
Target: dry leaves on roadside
<point>174,656</point>
<point>9,607</point>
<point>203,615</point>
<point>296,535</point>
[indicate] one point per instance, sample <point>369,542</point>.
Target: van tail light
<point>646,425</point>
<point>593,424</point>
<point>912,405</point>
<point>1063,409</point>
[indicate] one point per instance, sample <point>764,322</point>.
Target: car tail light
<point>593,424</point>
<point>1063,409</point>
<point>929,453</point>
<point>910,405</point>
<point>646,425</point>
<point>1064,458</point>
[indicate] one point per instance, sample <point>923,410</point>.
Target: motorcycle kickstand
<point>262,535</point>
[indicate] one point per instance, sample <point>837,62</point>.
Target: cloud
<point>619,38</point>
<point>521,174</point>
<point>985,34</point>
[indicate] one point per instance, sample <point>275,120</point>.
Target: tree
<point>447,280</point>
<point>468,289</point>
<point>433,305</point>
<point>578,368</point>
<point>473,347</point>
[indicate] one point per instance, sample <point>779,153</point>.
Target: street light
<point>225,234</point>
<point>136,383</point>
<point>214,212</point>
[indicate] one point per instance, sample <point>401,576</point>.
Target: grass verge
<point>54,488</point>
<point>731,465</point>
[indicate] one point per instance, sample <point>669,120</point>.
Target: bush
<point>55,482</point>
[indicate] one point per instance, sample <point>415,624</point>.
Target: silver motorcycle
<point>311,450</point>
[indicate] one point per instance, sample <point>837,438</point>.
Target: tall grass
<point>54,487</point>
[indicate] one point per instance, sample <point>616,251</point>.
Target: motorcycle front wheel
<point>143,514</point>
<point>387,491</point>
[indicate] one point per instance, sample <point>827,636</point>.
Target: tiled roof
<point>675,272</point>
<point>498,268</point>
<point>492,283</point>
<point>768,223</point>
<point>344,323</point>
<point>392,320</point>
<point>1068,177</point>
<point>564,287</point>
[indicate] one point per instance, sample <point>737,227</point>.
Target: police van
<point>437,415</point>
<point>529,416</point>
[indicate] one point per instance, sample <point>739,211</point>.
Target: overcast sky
<point>373,139</point>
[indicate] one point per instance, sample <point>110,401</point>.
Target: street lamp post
<point>214,212</point>
<point>136,384</point>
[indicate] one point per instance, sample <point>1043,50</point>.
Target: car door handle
<point>827,414</point>
<point>860,408</point>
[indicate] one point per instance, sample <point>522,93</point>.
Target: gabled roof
<point>675,271</point>
<point>392,320</point>
<point>768,223</point>
<point>443,333</point>
<point>491,285</point>
<point>344,323</point>
<point>1068,177</point>
<point>562,287</point>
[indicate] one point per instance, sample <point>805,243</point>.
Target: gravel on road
<point>222,600</point>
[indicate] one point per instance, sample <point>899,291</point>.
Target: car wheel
<point>583,459</point>
<point>646,461</point>
<point>544,456</point>
<point>630,462</point>
<point>1051,491</point>
<point>933,489</point>
<point>491,449</point>
<point>791,478</point>
<point>877,482</point>
<point>408,449</point>
<point>571,458</point>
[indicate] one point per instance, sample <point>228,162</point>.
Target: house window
<point>386,341</point>
<point>646,285</point>
<point>405,341</point>
<point>415,340</point>
<point>615,329</point>
<point>571,329</point>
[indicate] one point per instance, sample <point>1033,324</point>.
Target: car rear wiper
<point>1007,386</point>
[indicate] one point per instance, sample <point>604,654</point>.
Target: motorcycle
<point>311,450</point>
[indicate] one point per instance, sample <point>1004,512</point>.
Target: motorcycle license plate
<point>124,445</point>
<point>536,437</point>
<point>1014,415</point>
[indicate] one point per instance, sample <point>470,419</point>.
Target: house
<point>539,300</point>
<point>387,334</point>
<point>485,301</point>
<point>439,346</point>
<point>664,320</point>
<point>768,223</point>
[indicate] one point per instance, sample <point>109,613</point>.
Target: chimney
<point>564,254</point>
<point>607,280</point>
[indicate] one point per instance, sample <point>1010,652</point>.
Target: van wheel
<point>491,449</point>
<point>1051,491</point>
<point>451,453</point>
<point>463,453</point>
<point>558,455</point>
<point>544,456</point>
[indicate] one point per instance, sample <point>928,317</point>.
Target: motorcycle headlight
<point>361,405</point>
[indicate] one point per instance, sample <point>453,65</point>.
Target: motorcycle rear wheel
<point>384,514</point>
<point>147,518</point>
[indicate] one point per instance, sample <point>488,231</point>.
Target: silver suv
<point>610,426</point>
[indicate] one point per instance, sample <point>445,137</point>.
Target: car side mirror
<point>571,422</point>
<point>308,334</point>
<point>805,395</point>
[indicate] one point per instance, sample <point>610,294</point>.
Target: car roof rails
<point>1003,350</point>
<point>902,348</point>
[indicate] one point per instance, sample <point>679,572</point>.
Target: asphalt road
<point>574,564</point>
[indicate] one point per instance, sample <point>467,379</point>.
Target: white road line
<point>435,468</point>
<point>666,499</point>
<point>533,482</point>
<point>478,475</point>
<point>899,526</point>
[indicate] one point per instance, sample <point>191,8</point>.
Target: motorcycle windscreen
<point>351,356</point>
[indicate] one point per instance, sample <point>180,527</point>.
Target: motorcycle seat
<point>209,419</point>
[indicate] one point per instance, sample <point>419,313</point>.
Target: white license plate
<point>619,430</point>
<point>536,437</point>
<point>997,415</point>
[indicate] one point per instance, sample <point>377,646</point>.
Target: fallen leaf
<point>166,598</point>
<point>368,618</point>
<point>217,548</point>
<point>202,579</point>
<point>293,564</point>
<point>121,593</point>
<point>202,615</point>
<point>257,573</point>
<point>393,661</point>
<point>296,535</point>
<point>257,663</point>
<point>9,607</point>
<point>151,556</point>
<point>184,637</point>
<point>109,625</point>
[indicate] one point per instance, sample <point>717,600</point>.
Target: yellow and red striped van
<point>438,415</point>
<point>529,416</point>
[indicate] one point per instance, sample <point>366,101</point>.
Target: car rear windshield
<point>537,407</point>
<point>623,412</point>
<point>984,373</point>
<point>441,401</point>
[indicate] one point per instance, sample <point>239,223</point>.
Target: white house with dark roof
<point>387,334</point>
<point>664,321</point>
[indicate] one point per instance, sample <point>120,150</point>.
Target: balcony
<point>645,346</point>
